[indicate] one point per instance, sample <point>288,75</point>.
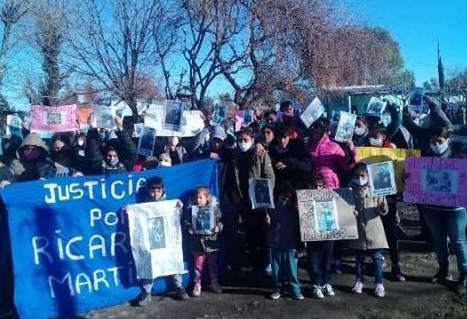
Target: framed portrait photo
<point>261,195</point>
<point>381,179</point>
<point>203,219</point>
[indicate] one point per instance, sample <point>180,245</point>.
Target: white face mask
<point>164,164</point>
<point>360,181</point>
<point>360,131</point>
<point>439,149</point>
<point>80,142</point>
<point>376,141</point>
<point>244,146</point>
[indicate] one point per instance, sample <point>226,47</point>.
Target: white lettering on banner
<point>86,282</point>
<point>110,218</point>
<point>94,189</point>
<point>41,246</point>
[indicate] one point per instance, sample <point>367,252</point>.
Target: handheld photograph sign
<point>346,127</point>
<point>327,214</point>
<point>375,107</point>
<point>146,141</point>
<point>381,179</point>
<point>261,195</point>
<point>138,128</point>
<point>173,112</point>
<point>203,219</point>
<point>312,112</point>
<point>104,116</point>
<point>218,116</point>
<point>14,126</point>
<point>416,101</point>
<point>436,181</point>
<point>156,238</point>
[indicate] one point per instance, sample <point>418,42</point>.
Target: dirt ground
<point>415,298</point>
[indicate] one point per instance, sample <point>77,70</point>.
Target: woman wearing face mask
<point>361,132</point>
<point>63,156</point>
<point>32,160</point>
<point>446,222</point>
<point>118,155</point>
<point>377,138</point>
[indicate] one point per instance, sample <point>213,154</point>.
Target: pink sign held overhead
<point>435,181</point>
<point>53,118</point>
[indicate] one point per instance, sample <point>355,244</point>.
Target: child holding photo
<point>155,192</point>
<point>371,237</point>
<point>284,239</point>
<point>205,247</point>
<point>319,255</point>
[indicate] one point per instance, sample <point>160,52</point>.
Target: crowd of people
<point>277,146</point>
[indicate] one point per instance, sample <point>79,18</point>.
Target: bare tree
<point>113,42</point>
<point>11,12</point>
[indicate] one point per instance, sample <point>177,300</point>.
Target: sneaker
<point>397,274</point>
<point>328,290</point>
<point>215,287</point>
<point>143,299</point>
<point>358,288</point>
<point>379,291</point>
<point>181,294</point>
<point>275,295</point>
<point>196,290</point>
<point>298,296</point>
<point>317,292</point>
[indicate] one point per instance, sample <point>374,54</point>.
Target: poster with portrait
<point>416,105</point>
<point>156,238</point>
<point>312,112</point>
<point>146,141</point>
<point>381,154</point>
<point>14,126</point>
<point>261,195</point>
<point>381,179</point>
<point>138,129</point>
<point>173,114</point>
<point>103,116</point>
<point>203,219</point>
<point>375,107</point>
<point>346,127</point>
<point>327,214</point>
<point>219,115</point>
<point>52,119</point>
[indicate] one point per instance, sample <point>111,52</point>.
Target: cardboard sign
<point>346,127</point>
<point>312,112</point>
<point>261,195</point>
<point>396,155</point>
<point>436,181</point>
<point>327,214</point>
<point>381,179</point>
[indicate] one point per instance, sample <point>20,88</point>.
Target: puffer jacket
<point>329,159</point>
<point>371,233</point>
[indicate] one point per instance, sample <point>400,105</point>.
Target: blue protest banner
<point>69,237</point>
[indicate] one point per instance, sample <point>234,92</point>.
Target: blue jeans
<point>444,222</point>
<point>285,269</point>
<point>319,260</point>
<point>377,256</point>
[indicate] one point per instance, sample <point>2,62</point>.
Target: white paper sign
<point>381,178</point>
<point>156,239</point>
<point>260,191</point>
<point>312,112</point>
<point>346,127</point>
